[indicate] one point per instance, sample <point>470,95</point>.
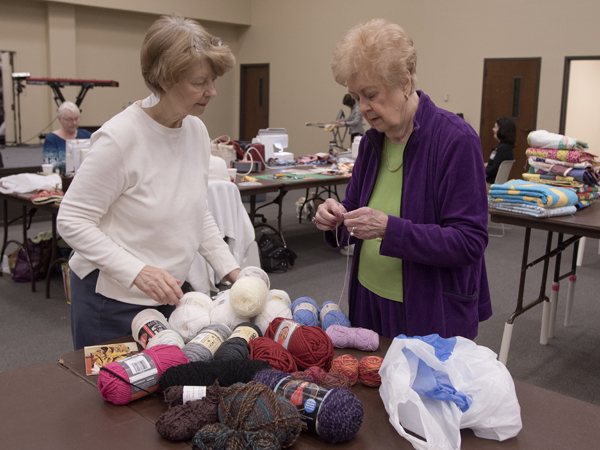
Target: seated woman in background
<point>55,144</point>
<point>505,132</point>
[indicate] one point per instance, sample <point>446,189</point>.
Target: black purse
<point>275,257</point>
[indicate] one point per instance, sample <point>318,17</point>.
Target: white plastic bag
<point>432,387</point>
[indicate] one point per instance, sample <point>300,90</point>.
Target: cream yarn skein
<point>278,305</point>
<point>248,296</point>
<point>191,315</point>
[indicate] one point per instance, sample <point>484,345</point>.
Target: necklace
<point>387,163</point>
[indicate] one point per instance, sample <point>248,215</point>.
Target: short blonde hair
<point>380,51</point>
<point>67,106</point>
<point>172,44</point>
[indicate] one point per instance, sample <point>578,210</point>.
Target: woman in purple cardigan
<point>416,205</point>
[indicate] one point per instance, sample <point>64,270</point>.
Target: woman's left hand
<point>232,276</point>
<point>159,285</point>
<point>366,223</point>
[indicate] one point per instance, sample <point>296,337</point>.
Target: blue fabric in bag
<point>436,384</point>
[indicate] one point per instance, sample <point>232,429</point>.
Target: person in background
<point>136,212</point>
<point>416,205</point>
<point>355,120</point>
<point>505,132</point>
<point>55,144</point>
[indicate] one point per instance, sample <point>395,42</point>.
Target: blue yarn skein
<point>333,316</point>
<point>305,311</point>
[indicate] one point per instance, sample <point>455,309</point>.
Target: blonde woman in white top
<point>136,212</point>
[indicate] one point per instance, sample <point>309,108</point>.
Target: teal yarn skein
<point>305,311</point>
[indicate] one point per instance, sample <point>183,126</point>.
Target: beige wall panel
<point>23,30</point>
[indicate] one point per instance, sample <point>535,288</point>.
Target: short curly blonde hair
<point>172,44</point>
<point>378,50</point>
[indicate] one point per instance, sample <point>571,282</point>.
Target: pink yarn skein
<point>359,338</point>
<point>116,391</point>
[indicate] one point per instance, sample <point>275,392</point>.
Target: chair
<point>225,205</point>
<point>501,178</point>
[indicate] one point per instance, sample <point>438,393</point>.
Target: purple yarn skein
<point>341,413</point>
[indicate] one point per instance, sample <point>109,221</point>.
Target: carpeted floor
<point>38,329</point>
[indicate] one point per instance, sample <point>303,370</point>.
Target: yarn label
<point>256,273</point>
<point>192,393</point>
<point>306,305</point>
<point>284,332</point>
<point>328,307</point>
<point>209,339</point>
<point>307,397</point>
<point>142,374</point>
<point>149,330</point>
<point>246,333</point>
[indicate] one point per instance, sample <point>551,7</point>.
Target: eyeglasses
<point>70,119</point>
<point>201,44</point>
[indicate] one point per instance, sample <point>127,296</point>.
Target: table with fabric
<point>28,210</point>
<point>584,223</point>
<point>550,420</point>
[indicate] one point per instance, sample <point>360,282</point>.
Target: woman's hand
<point>366,223</point>
<point>329,215</point>
<point>159,285</point>
<point>232,276</point>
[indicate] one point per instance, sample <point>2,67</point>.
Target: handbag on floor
<point>275,257</point>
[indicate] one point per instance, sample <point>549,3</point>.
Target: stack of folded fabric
<point>558,160</point>
<point>533,199</point>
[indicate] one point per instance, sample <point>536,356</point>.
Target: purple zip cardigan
<point>440,232</point>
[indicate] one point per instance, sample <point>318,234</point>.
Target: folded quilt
<point>552,180</point>
<point>532,210</point>
<point>24,183</point>
<point>521,191</point>
<point>545,139</point>
<point>572,156</point>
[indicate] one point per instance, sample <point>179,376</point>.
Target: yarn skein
<point>114,383</point>
<point>282,296</point>
<point>274,353</point>
<point>368,370</point>
<point>202,373</point>
<point>146,324</point>
<point>322,378</point>
<point>216,436</point>
<point>331,314</point>
<point>359,338</point>
<point>237,346</point>
<point>222,313</point>
<point>166,337</point>
<point>256,407</point>
<point>206,343</point>
<point>248,296</point>
<point>182,422</point>
<point>347,365</point>
<point>308,345</point>
<point>255,272</point>
<point>273,308</point>
<point>191,315</point>
<point>305,311</point>
<point>339,416</point>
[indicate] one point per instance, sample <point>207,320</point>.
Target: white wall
<point>583,104</point>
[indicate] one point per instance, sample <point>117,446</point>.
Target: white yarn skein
<point>248,296</point>
<point>222,313</point>
<point>167,337</point>
<point>191,315</point>
<point>146,324</point>
<point>278,294</point>
<point>274,308</point>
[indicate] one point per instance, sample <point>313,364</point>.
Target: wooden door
<point>510,89</point>
<point>254,100</point>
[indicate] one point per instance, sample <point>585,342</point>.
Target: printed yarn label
<point>142,374</point>
<point>328,307</point>
<point>244,332</point>
<point>284,332</point>
<point>209,339</point>
<point>307,306</point>
<point>192,393</point>
<point>307,397</point>
<point>256,273</point>
<point>149,330</point>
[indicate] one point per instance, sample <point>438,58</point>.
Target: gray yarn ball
<point>205,344</point>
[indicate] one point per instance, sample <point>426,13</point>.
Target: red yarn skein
<point>309,345</point>
<point>118,391</point>
<point>274,353</point>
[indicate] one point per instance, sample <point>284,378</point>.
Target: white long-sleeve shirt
<point>139,198</point>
